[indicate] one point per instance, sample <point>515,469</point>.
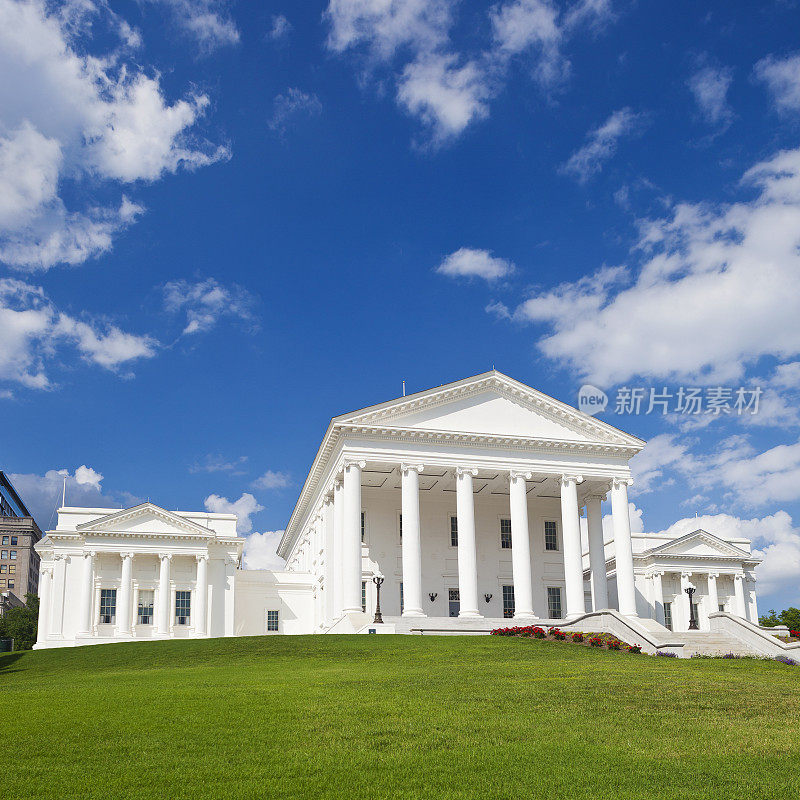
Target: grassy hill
<point>383,716</point>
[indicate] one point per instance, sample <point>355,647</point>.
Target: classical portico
<point>465,497</point>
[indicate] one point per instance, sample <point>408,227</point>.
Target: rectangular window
<point>13,541</point>
<point>554,602</point>
<point>363,526</point>
<point>3,568</point>
<point>10,584</point>
<point>2,583</point>
<point>695,613</point>
<point>12,568</point>
<point>454,531</point>
<point>183,607</point>
<point>144,613</point>
<point>5,540</point>
<point>13,555</point>
<point>401,597</point>
<point>550,535</point>
<point>505,534</point>
<point>454,602</point>
<point>508,601</point>
<point>272,621</point>
<point>668,615</point>
<point>364,596</point>
<point>722,606</point>
<point>108,606</point>
<point>3,553</point>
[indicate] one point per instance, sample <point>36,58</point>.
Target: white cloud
<point>468,263</point>
<point>271,480</point>
<point>207,301</point>
<point>281,27</point>
<point>715,290</point>
<point>86,476</point>
<point>70,116</point>
<point>291,104</point>
<point>259,551</point>
<point>782,76</point>
<point>33,332</point>
<point>709,86</point>
<point>244,508</point>
<point>601,144</point>
<point>775,540</point>
<point>648,466</point>
<point>448,89</point>
<point>212,463</point>
<point>207,21</point>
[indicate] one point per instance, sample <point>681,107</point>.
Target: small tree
<point>790,617</point>
<point>20,623</point>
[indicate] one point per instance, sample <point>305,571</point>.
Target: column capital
<point>738,576</point>
<point>412,468</point>
<point>713,575</point>
<point>47,571</point>
<point>201,557</point>
<point>162,556</point>
<point>566,478</point>
<point>465,471</point>
<point>516,473</point>
<point>125,555</point>
<point>327,500</point>
<point>686,574</point>
<point>59,557</point>
<point>360,463</point>
<point>89,553</point>
<point>619,481</point>
<point>659,573</point>
<point>750,578</point>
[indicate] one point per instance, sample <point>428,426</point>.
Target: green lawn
<point>385,716</point>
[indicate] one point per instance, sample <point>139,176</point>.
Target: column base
<point>525,615</point>
<point>469,615</point>
<point>413,612</point>
<point>357,610</point>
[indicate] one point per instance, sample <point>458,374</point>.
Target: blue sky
<point>223,223</point>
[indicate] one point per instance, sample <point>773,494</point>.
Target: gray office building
<point>19,562</point>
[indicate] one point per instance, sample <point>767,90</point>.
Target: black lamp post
<point>378,580</point>
<point>692,621</point>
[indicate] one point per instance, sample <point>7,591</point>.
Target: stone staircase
<point>712,643</point>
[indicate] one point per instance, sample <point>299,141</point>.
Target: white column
<point>623,546</point>
<point>124,602</point>
<point>45,599</point>
<point>201,595</point>
<point>329,558</point>
<point>571,534</point>
<point>229,597</point>
<point>87,587</point>
<point>520,544</point>
<point>412,541</point>
<point>597,551</point>
<point>738,588</point>
<point>753,605</point>
<point>658,597</point>
<point>338,527</point>
<point>57,594</point>
<point>164,595</point>
<point>713,595</point>
<point>467,552</point>
<point>684,605</point>
<point>351,537</point>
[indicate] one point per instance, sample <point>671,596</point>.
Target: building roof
<point>6,484</point>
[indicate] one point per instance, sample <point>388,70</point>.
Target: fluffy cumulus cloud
<point>444,86</point>
<point>34,332</point>
<point>205,302</point>
<point>709,86</point>
<point>290,105</point>
<point>648,467</point>
<point>712,289</point>
<point>69,116</point>
<point>782,78</point>
<point>468,263</point>
<point>244,508</point>
<point>271,480</point>
<point>42,493</point>
<point>208,22</point>
<point>601,144</point>
<point>259,551</point>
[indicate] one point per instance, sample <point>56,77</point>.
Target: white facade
<point>467,500</point>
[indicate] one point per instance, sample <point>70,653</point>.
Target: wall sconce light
<point>432,595</point>
<point>487,597</point>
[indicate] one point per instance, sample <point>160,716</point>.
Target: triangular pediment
<point>146,518</point>
<point>491,404</point>
<point>699,543</point>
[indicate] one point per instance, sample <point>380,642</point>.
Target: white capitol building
<point>466,499</point>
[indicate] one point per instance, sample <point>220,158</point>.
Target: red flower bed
<point>636,649</point>
<point>557,634</point>
<point>595,641</point>
<point>614,644</point>
<point>577,636</point>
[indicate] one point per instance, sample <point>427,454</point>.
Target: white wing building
<point>466,499</point>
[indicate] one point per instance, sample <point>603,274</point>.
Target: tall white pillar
<point>87,592</point>
<point>597,551</point>
<point>58,591</point>
<point>124,601</point>
<point>351,537</point>
<point>753,604</point>
<point>201,595</point>
<point>164,595</point>
<point>467,551</point>
<point>623,546</point>
<point>338,562</point>
<point>713,595</point>
<point>684,604</point>
<point>571,534</point>
<point>658,596</point>
<point>45,601</point>
<point>412,542</point>
<point>229,597</point>
<point>329,557</point>
<point>520,544</point>
<point>738,589</point>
